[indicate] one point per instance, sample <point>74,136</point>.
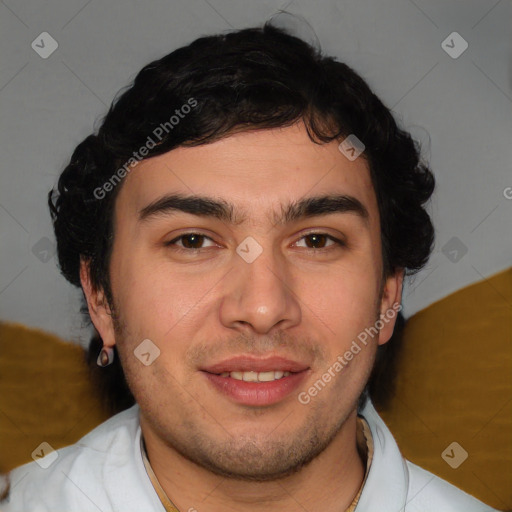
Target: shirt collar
<point>166,502</point>
<point>387,481</point>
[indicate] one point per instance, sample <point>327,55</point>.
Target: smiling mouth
<point>256,388</point>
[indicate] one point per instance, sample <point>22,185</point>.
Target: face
<point>280,274</point>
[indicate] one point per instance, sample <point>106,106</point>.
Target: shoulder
<point>429,492</point>
<point>81,476</point>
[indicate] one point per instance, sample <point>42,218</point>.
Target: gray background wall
<point>459,106</point>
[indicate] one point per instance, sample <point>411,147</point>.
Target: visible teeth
<point>266,376</point>
<point>256,376</point>
<point>250,377</point>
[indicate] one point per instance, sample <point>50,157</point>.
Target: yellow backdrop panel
<point>45,394</point>
<point>454,385</point>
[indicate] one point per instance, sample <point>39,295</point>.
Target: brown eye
<point>319,241</point>
<point>316,241</point>
<point>190,241</point>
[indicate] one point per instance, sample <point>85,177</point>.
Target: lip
<point>250,363</point>
<point>256,393</point>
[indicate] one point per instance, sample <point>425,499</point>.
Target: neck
<point>315,487</point>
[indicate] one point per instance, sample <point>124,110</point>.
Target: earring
<point>105,357</point>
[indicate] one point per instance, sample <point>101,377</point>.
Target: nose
<point>260,296</point>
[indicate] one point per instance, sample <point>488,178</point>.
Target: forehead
<point>256,171</point>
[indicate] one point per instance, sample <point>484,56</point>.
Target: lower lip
<point>257,393</point>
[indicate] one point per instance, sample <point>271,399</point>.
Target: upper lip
<point>248,363</point>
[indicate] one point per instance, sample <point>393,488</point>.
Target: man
<point>241,226</point>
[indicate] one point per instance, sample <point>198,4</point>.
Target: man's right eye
<point>190,241</point>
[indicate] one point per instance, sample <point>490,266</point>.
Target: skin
<point>298,300</point>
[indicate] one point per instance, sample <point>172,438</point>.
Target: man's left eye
<point>319,241</point>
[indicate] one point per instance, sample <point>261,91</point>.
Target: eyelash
<point>337,242</point>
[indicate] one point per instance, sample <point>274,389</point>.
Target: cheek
<point>345,298</point>
<point>156,301</point>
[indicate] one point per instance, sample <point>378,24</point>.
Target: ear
<point>390,305</point>
<point>99,310</point>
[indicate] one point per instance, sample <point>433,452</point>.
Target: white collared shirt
<point>104,471</point>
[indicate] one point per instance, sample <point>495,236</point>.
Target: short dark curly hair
<point>256,78</point>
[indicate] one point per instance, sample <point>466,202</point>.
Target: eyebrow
<point>203,206</point>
